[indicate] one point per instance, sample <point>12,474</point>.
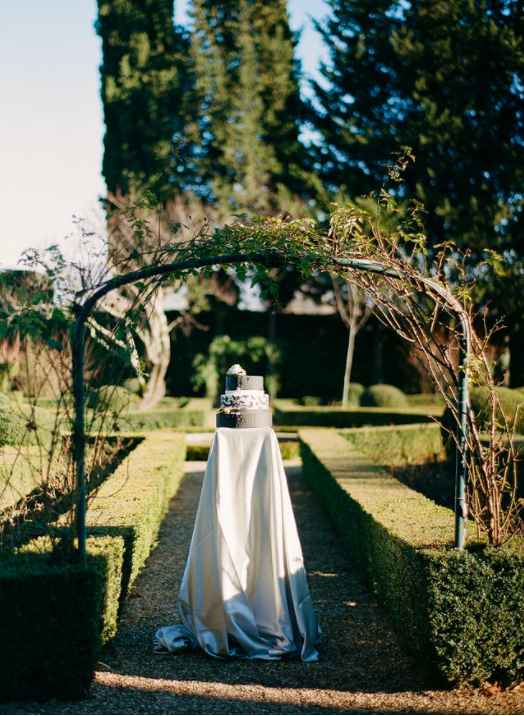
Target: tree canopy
<point>446,79</point>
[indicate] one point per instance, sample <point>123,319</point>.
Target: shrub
<point>397,445</point>
<point>310,401</point>
<point>8,372</point>
<point>132,385</point>
<point>4,400</point>
<point>460,613</point>
<point>113,399</point>
<point>134,500</point>
<point>55,631</point>
<point>383,396</point>
<point>355,393</point>
<point>26,425</point>
<point>511,402</point>
<point>338,418</point>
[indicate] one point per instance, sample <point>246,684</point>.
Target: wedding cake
<point>244,404</point>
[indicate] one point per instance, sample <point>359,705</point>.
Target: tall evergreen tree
<point>445,78</point>
<point>243,141</point>
<point>143,83</point>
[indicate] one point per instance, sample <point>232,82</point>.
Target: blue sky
<point>51,121</point>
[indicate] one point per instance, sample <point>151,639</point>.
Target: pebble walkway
<point>361,669</point>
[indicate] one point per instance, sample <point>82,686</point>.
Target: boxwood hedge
<point>461,613</point>
<point>285,414</point>
<point>54,617</point>
<point>55,631</point>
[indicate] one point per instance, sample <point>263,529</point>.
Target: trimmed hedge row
<point>460,613</point>
<point>397,445</point>
<point>338,418</point>
<point>79,610</point>
<point>20,473</point>
<point>160,419</point>
<point>53,618</point>
<point>133,502</point>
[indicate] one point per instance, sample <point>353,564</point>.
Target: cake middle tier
<point>247,399</point>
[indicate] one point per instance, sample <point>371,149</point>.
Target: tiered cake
<point>245,404</point>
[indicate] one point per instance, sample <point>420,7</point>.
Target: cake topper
<point>236,370</point>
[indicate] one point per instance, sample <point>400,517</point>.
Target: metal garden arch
<point>253,258</point>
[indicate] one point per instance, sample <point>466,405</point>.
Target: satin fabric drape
<point>244,592</point>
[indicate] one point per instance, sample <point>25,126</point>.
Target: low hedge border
<point>134,500</point>
<point>460,613</point>
<point>79,610</point>
<point>399,444</point>
<point>54,617</point>
<point>354,418</point>
<point>160,419</point>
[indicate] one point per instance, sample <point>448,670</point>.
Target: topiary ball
<point>354,394</point>
<point>383,396</point>
<point>133,385</point>
<point>26,425</point>
<point>110,399</point>
<point>510,400</point>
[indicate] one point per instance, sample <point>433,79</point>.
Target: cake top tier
<point>236,379</point>
<point>244,382</point>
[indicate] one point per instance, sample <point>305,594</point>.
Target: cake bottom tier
<point>245,419</point>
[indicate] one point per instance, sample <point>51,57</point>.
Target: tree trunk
<point>349,363</point>
<point>158,354</point>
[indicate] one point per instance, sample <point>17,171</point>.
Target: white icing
<point>248,399</point>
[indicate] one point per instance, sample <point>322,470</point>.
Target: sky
<point>51,118</point>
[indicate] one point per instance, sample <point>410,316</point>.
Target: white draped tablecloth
<point>244,592</point>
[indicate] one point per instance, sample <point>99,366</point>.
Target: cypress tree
<point>243,141</point>
<point>143,83</point>
<point>445,78</point>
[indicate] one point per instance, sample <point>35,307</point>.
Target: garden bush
<point>113,399</point>
<point>397,445</point>
<point>67,613</point>
<point>383,396</point>
<point>460,613</point>
<point>158,419</point>
<point>288,415</point>
<point>26,425</point>
<point>132,385</point>
<point>8,372</point>
<point>134,500</point>
<point>4,399</point>
<point>20,472</point>
<point>511,401</point>
<point>54,617</point>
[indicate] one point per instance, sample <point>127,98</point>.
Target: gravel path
<point>361,668</point>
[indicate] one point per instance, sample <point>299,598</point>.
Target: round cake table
<point>244,593</point>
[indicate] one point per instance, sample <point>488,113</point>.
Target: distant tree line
<point>214,112</point>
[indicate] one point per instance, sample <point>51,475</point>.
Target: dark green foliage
<point>26,425</point>
<point>143,84</point>
<point>383,396</point>
<point>461,614</point>
<point>445,79</point>
<point>243,137</point>
<point>53,616</point>
<point>113,399</point>
<point>56,630</point>
<point>197,453</point>
<point>338,418</point>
